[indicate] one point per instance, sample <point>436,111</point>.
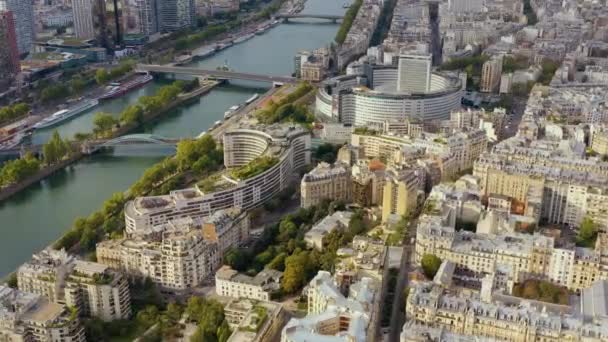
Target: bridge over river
<point>217,74</point>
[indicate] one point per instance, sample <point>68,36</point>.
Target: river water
<point>32,219</point>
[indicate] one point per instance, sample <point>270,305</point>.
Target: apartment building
<point>403,191</point>
<point>429,305</point>
<point>176,257</point>
<point>368,179</point>
<point>491,72</point>
<point>288,145</point>
<point>315,237</point>
<point>325,181</point>
<point>231,283</point>
<point>33,318</point>
<point>330,313</point>
<point>10,65</point>
<point>91,288</point>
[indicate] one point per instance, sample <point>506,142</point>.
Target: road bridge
<point>132,140</point>
<point>333,18</point>
<point>217,74</point>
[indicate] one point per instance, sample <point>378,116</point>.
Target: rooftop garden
<point>254,168</point>
<point>542,291</point>
<point>287,109</point>
<point>365,131</point>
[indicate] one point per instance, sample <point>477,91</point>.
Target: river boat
<point>66,114</point>
<point>230,111</point>
<point>118,91</point>
<point>253,98</point>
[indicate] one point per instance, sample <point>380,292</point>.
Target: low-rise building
<point>315,237</point>
<point>351,318</point>
<point>30,317</point>
<point>231,283</point>
<point>326,182</point>
<point>93,289</point>
<point>253,321</point>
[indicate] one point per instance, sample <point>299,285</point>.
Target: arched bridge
<point>219,74</point>
<point>143,140</point>
<point>286,17</point>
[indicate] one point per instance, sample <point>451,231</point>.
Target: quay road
<point>219,74</point>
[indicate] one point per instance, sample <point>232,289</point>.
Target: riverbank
<point>49,170</point>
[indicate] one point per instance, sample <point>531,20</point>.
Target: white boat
<point>253,98</point>
<point>231,111</point>
<point>244,38</point>
<point>65,114</point>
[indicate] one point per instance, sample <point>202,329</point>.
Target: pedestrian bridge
<point>217,74</point>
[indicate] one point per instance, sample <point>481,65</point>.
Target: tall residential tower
<point>23,15</point>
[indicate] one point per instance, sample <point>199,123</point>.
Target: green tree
<point>430,265</point>
<point>587,233</point>
<point>132,114</point>
<point>294,277</point>
<point>55,149</point>
<point>101,76</point>
<point>103,123</point>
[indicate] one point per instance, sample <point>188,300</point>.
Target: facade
<point>91,288</point>
<point>289,145</point>
<point>178,254</point>
<point>30,317</point>
<point>491,72</point>
<point>314,238</point>
<point>371,96</point>
<point>414,72</point>
<point>108,21</point>
<point>431,306</point>
<point>230,283</point>
<point>349,318</point>
<point>402,191</point>
<point>325,181</point>
<point>23,16</point>
<point>141,17</point>
<point>84,27</point>
<point>9,53</point>
<point>175,15</point>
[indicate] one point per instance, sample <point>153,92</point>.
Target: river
<point>40,214</point>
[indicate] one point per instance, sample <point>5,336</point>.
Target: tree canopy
<point>430,265</point>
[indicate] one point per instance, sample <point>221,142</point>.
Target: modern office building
<point>325,182</point>
<point>108,21</point>
<point>231,283</point>
<point>9,53</point>
<point>141,17</point>
<point>23,16</point>
<point>174,15</point>
<point>84,27</point>
<point>375,94</point>
<point>285,147</point>
<point>91,288</point>
<point>29,317</point>
<point>414,72</point>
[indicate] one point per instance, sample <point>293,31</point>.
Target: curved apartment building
<point>374,95</point>
<point>289,146</point>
